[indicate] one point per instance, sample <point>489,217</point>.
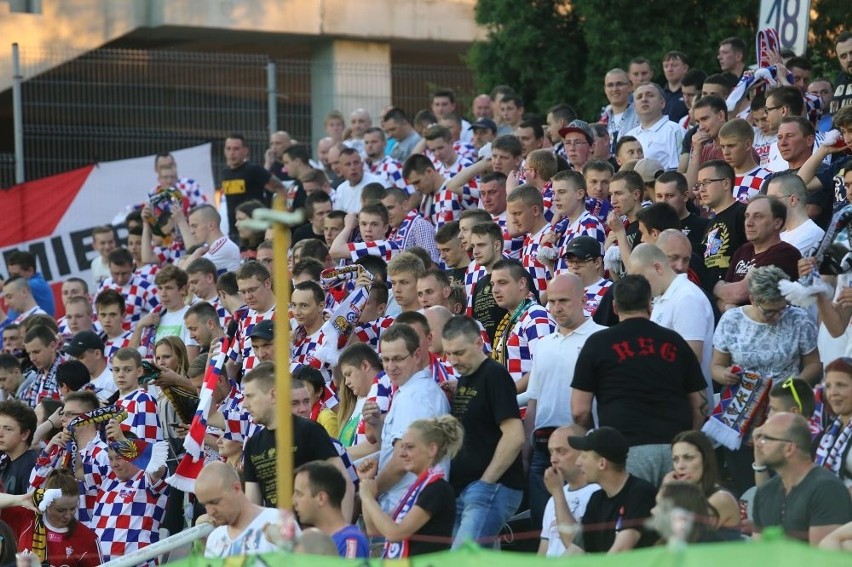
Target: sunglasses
<point>789,385</point>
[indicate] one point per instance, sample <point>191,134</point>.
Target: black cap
<point>607,442</point>
<point>264,330</point>
<point>583,248</point>
<point>83,341</point>
<point>484,123</point>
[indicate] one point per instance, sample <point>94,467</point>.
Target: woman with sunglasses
<point>833,451</point>
<point>769,338</point>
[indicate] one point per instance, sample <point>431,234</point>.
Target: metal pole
<point>164,545</point>
<point>271,97</point>
<point>17,114</point>
<point>284,430</point>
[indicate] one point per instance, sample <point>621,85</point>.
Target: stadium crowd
<point>598,322</point>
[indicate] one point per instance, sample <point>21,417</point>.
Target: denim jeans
<point>482,509</point>
<point>538,494</point>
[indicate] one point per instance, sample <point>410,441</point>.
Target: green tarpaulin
<point>766,553</point>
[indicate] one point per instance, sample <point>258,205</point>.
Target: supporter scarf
<point>331,277</point>
<point>339,328</point>
<point>498,350</point>
<point>193,459</point>
<point>822,415</point>
<point>150,457</point>
<point>834,446</point>
<point>149,333</point>
<point>400,549</point>
<point>98,417</point>
<point>401,233</point>
<point>42,498</point>
<point>741,407</point>
<point>439,371</point>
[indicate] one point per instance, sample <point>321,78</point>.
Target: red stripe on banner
<point>33,209</point>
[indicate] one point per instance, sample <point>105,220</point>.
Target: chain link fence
<point>115,104</point>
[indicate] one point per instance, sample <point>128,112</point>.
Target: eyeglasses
<point>768,108</point>
<point>393,359</point>
<point>768,313</point>
<point>71,414</point>
<point>249,290</point>
<point>576,143</point>
<point>617,85</point>
<point>576,262</point>
<point>764,438</point>
<point>702,184</point>
<point>788,385</point>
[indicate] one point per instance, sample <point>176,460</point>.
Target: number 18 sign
<point>791,18</point>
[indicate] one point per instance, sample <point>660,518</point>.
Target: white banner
<point>54,216</point>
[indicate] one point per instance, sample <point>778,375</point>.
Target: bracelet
<point>759,468</point>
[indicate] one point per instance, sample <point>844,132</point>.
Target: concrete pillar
<point>346,75</point>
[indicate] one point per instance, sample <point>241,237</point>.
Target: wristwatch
<point>759,468</point>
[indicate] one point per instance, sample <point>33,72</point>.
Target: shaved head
<point>217,474</point>
<point>437,315</point>
<point>567,283</point>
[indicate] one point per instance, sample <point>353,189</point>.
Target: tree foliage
<point>534,46</point>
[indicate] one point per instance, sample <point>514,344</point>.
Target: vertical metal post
<point>17,114</point>
<point>271,97</point>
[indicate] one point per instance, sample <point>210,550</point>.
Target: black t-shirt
<point>641,375</point>
<point>783,255</point>
<point>634,237</point>
<point>724,235</point>
<point>605,313</point>
<point>675,107</point>
<point>483,400</point>
<point>626,510</point>
<point>305,232</point>
<point>15,478</point>
<point>456,275</point>
<point>440,501</point>
<point>694,227</point>
<point>310,443</point>
<point>485,309</point>
<point>241,184</point>
<point>842,92</point>
<point>686,146</point>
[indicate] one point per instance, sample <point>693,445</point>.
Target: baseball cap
<point>649,169</point>
<point>583,248</point>
<point>580,126</point>
<point>484,123</point>
<point>607,442</point>
<point>264,330</point>
<point>83,341</point>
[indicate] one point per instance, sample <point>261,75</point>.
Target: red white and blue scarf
<point>400,549</point>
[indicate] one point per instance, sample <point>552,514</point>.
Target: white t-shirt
<point>225,254</point>
<point>806,237</point>
<point>104,384</point>
<point>250,541</point>
<point>661,141</point>
<point>577,501</point>
<point>348,196</point>
<point>100,271</point>
<point>172,325</point>
<point>685,309</point>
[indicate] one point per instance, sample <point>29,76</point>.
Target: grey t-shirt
<point>820,499</point>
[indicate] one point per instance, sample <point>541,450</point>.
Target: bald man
<point>569,490</point>
<point>679,305</point>
<point>240,525</point>
<point>437,315</point>
<point>272,159</point>
<point>678,249</point>
<point>549,390</point>
<point>203,228</point>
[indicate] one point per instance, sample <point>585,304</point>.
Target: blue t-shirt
<point>351,543</point>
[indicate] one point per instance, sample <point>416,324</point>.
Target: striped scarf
<point>400,549</point>
<point>741,408</point>
<point>98,417</point>
<point>834,446</point>
<point>504,328</point>
<point>42,498</point>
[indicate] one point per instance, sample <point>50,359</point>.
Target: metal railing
<point>115,104</point>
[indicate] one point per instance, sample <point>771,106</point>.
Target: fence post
<point>17,114</point>
<point>271,97</point>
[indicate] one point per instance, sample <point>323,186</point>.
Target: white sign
<point>791,18</point>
